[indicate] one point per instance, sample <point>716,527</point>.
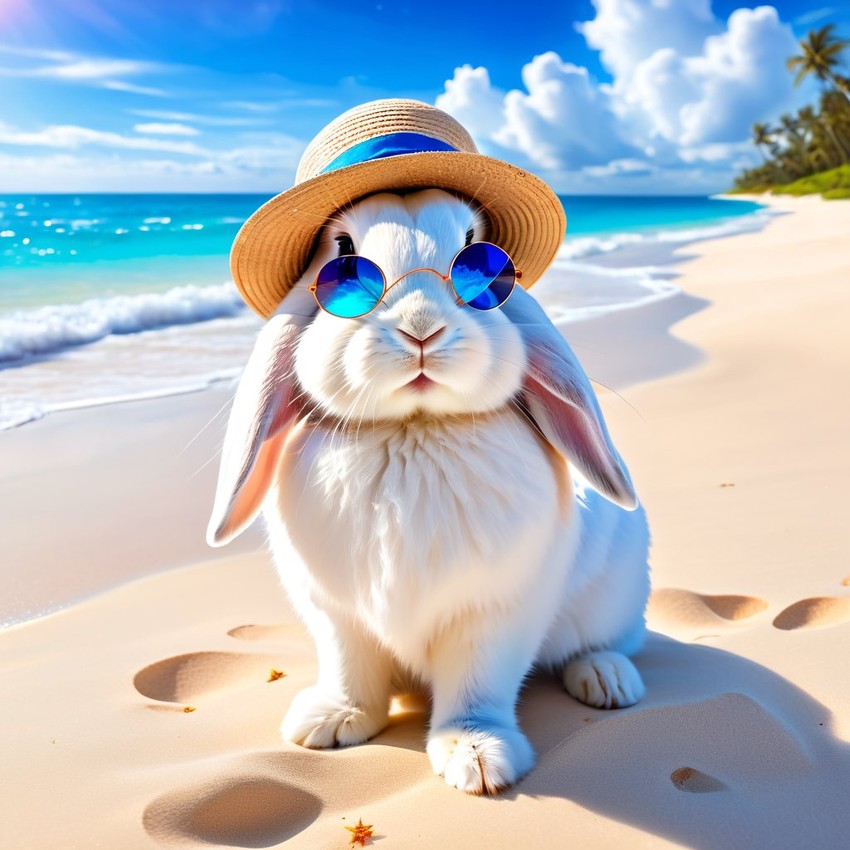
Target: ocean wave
<point>14,413</point>
<point>575,291</point>
<point>47,330</point>
<point>582,247</point>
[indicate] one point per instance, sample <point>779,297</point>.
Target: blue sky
<point>612,96</point>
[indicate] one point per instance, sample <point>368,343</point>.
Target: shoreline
<point>151,703</point>
<point>55,357</point>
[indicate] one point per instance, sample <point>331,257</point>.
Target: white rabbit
<point>449,529</point>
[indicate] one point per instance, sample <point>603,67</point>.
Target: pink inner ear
<point>559,397</point>
<point>577,434</point>
<point>264,410</point>
<point>570,424</point>
<point>250,497</point>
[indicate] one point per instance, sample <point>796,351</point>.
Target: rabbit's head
<point>419,353</point>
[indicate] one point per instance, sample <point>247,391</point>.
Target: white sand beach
<point>140,713</point>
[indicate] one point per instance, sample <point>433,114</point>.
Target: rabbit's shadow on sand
<point>720,745</point>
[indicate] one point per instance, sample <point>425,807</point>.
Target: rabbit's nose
<point>419,342</point>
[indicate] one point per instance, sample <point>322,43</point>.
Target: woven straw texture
<point>365,122</point>
<point>274,246</point>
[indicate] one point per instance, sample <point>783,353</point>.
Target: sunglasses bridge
<point>446,278</point>
<point>443,277</point>
<point>388,286</point>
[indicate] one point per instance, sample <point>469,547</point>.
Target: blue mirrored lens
<point>483,275</point>
<point>349,286</point>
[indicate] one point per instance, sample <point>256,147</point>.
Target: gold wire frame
<point>445,278</point>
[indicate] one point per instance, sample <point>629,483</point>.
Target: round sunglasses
<point>482,275</point>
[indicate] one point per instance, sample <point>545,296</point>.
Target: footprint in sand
<point>676,611</point>
<point>264,798</point>
<point>254,632</point>
<point>817,612</point>
<point>241,811</point>
<point>187,678</point>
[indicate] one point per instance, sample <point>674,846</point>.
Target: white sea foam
<point>14,413</point>
<point>581,247</point>
<point>573,292</point>
<point>47,330</point>
<point>184,339</point>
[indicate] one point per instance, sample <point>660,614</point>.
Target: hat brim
<point>274,246</point>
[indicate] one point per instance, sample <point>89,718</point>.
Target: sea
<point>111,297</point>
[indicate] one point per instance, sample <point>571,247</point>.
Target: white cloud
<point>99,71</point>
<point>695,81</point>
<point>94,173</point>
<point>252,106</point>
<point>72,136</point>
<point>91,69</point>
<point>471,99</point>
<point>75,68</point>
<point>626,32</point>
<point>686,89</point>
<point>132,88</point>
<point>84,159</point>
<point>195,118</point>
<point>564,120</point>
<point>716,152</point>
<point>741,75</point>
<point>620,168</point>
<point>267,153</point>
<point>815,15</point>
<point>166,129</point>
<point>37,53</point>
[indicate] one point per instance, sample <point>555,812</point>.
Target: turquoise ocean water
<point>108,297</point>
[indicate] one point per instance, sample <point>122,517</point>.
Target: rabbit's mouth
<point>420,383</point>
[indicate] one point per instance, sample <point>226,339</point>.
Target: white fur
<point>435,532</point>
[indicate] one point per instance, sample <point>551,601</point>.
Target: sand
<point>739,448</point>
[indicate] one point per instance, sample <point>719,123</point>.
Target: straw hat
<point>382,146</point>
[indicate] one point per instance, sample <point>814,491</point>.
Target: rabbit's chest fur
<point>407,525</point>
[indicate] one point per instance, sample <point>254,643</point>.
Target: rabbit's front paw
<point>319,719</point>
<point>604,680</point>
<point>480,761</point>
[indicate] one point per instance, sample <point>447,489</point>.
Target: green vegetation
<point>834,183</point>
<point>810,151</point>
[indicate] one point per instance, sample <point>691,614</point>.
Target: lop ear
<point>264,410</point>
<point>560,399</point>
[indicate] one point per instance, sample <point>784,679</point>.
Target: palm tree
<point>793,151</point>
<point>817,153</point>
<point>821,49</point>
<point>762,137</point>
<point>807,119</point>
<point>836,121</point>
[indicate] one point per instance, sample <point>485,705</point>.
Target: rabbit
<point>458,529</point>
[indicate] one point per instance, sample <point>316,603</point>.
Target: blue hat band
<point>392,144</point>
